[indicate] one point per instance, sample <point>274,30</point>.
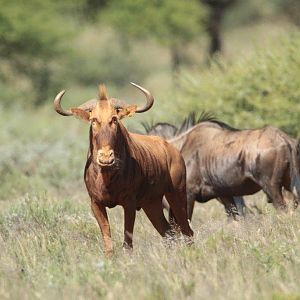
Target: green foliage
<point>29,29</point>
<point>250,92</point>
<point>249,12</point>
<point>32,35</point>
<point>171,22</point>
<point>46,45</point>
<point>93,63</point>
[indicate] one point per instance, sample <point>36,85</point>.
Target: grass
<point>51,245</point>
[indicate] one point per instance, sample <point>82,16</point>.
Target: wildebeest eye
<point>118,109</point>
<point>94,123</point>
<point>114,119</point>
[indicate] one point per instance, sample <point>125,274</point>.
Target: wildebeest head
<point>106,131</point>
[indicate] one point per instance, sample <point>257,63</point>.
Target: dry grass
<point>51,247</point>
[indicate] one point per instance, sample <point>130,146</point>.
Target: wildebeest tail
<point>295,169</point>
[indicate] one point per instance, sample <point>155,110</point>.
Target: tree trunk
<point>214,29</point>
<point>175,59</point>
<point>217,11</point>
<point>41,82</point>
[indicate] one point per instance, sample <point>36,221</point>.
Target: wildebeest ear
<point>127,111</point>
<point>81,114</point>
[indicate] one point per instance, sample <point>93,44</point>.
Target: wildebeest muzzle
<point>105,157</point>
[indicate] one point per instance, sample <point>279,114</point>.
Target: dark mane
<point>224,125</point>
<point>191,120</point>
<point>148,126</point>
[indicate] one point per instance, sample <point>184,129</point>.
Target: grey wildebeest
<point>223,162</point>
<point>127,169</point>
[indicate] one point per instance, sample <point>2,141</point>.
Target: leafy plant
<point>250,92</point>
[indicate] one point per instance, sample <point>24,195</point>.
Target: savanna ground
<point>50,244</point>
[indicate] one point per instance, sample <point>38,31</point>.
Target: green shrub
<point>250,92</point>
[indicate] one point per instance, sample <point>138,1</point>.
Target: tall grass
<point>50,244</point>
<point>51,247</point>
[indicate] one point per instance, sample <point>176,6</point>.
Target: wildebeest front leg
<point>129,219</point>
<point>102,219</point>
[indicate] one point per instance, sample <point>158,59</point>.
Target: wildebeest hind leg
<point>154,212</point>
<point>275,179</point>
<point>288,195</point>
<point>178,204</point>
<point>275,193</point>
<point>230,207</point>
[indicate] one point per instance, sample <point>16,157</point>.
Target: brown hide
<point>131,170</point>
<point>223,162</point>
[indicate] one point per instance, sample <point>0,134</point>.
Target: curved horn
<point>150,99</point>
<point>87,106</point>
<point>58,107</point>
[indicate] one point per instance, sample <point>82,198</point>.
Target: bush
<point>250,92</point>
<point>30,44</point>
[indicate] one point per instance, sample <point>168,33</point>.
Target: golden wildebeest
<point>223,162</point>
<point>131,170</point>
